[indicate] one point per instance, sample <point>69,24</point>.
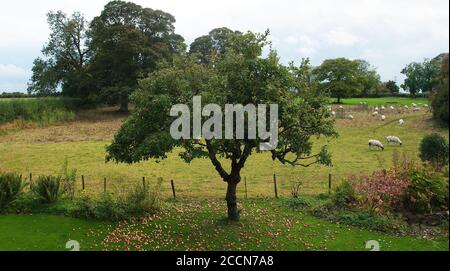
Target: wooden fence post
<point>31,179</point>
<point>104,185</point>
<point>329,183</point>
<point>82,182</point>
<point>173,189</point>
<point>245,184</point>
<point>143,183</point>
<point>275,185</point>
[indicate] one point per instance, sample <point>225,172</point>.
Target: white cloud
<point>389,33</point>
<point>12,71</point>
<point>341,37</point>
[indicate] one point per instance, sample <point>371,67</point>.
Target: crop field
<point>42,150</point>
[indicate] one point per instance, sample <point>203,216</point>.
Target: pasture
<point>41,150</point>
<point>198,213</point>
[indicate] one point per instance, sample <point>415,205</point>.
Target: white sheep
<point>350,117</point>
<point>376,108</point>
<point>375,143</point>
<point>383,117</point>
<point>392,108</point>
<point>341,107</point>
<point>382,107</point>
<point>415,109</point>
<point>401,122</point>
<point>375,113</point>
<point>406,107</point>
<point>414,105</point>
<point>425,105</point>
<point>394,139</point>
<point>333,113</point>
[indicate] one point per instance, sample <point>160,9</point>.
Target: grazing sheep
<point>394,139</point>
<point>383,117</point>
<point>376,108</point>
<point>341,107</point>
<point>350,117</point>
<point>401,122</point>
<point>333,113</point>
<point>375,113</point>
<point>392,108</point>
<point>382,107</point>
<point>376,143</point>
<point>425,105</point>
<point>406,107</point>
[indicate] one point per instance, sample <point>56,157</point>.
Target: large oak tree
<point>240,76</point>
<point>339,77</point>
<point>128,41</point>
<point>65,58</point>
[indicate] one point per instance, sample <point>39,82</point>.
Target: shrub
<point>380,192</point>
<point>11,186</point>
<point>427,193</point>
<point>47,188</point>
<point>139,201</point>
<point>344,195</point>
<point>68,179</point>
<point>434,149</point>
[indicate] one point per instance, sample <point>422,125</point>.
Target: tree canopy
<point>440,100</point>
<point>66,56</point>
<point>420,77</point>
<point>239,76</point>
<point>127,42</point>
<point>339,77</point>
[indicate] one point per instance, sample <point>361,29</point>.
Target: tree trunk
<point>233,212</point>
<point>124,105</point>
<point>338,100</point>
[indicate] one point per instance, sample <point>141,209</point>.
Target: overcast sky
<point>387,33</point>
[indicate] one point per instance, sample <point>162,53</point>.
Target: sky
<point>387,33</point>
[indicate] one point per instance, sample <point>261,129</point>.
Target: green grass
<point>43,232</point>
<point>199,179</point>
<point>266,224</point>
<point>40,110</point>
<point>385,101</point>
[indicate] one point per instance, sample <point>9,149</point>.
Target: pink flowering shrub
<point>380,192</point>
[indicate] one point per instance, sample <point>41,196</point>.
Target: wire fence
<point>277,185</point>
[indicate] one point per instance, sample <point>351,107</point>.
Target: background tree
<point>66,58</point>
<point>339,77</point>
<point>239,76</point>
<point>440,99</point>
<point>391,87</point>
<point>128,41</point>
<point>420,77</point>
<point>215,42</point>
<point>369,78</point>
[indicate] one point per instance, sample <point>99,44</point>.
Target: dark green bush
<point>47,188</point>
<point>427,193</point>
<point>11,186</point>
<point>344,195</point>
<point>434,149</point>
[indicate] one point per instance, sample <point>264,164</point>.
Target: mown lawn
<point>43,232</point>
<point>266,224</point>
